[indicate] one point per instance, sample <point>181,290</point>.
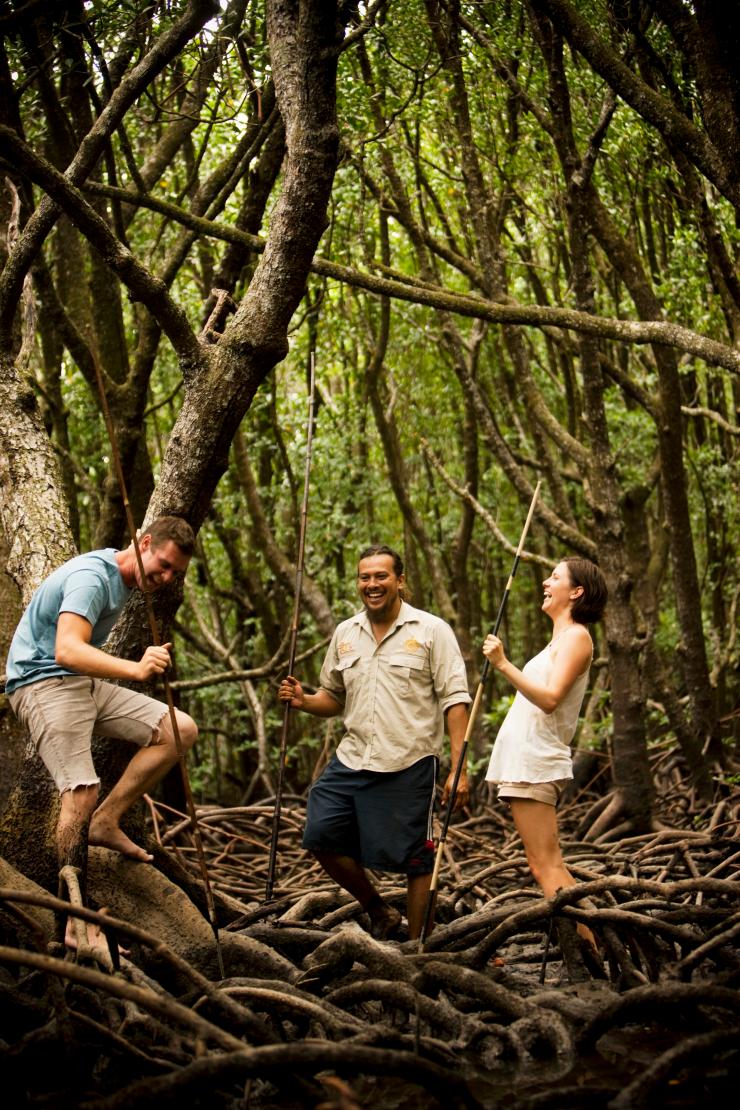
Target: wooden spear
<point>428,910</point>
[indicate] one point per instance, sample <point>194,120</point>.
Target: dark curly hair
<point>383,549</point>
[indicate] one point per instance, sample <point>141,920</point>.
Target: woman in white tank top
<point>531,760</point>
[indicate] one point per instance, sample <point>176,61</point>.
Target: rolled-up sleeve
<point>448,669</point>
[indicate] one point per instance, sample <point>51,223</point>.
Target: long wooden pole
<point>154,632</point>
<point>469,730</point>
<point>269,886</point>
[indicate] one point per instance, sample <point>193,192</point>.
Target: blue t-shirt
<point>89,585</point>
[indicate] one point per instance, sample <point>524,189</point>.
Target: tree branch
<point>144,286</point>
<point>465,495</point>
<point>539,316</point>
<point>651,106</point>
<point>166,47</point>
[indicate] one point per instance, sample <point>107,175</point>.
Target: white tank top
<point>533,746</point>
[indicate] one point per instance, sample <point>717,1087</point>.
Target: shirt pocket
<point>350,670</point>
<point>406,672</point>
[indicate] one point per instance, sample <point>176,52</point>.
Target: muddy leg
<point>145,770</point>
<point>353,878</point>
<point>75,809</point>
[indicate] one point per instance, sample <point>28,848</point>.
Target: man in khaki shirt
<point>396,676</point>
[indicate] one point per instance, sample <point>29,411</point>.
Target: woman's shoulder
<point>576,639</point>
<point>578,633</point>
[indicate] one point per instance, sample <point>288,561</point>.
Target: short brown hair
<point>589,607</point>
<point>173,528</point>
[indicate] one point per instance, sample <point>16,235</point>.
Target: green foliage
<point>405,185</point>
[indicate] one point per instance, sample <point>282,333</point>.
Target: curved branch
<point>465,495</point>
<point>710,414</point>
<point>166,47</point>
<point>650,105</point>
<point>144,286</point>
<point>540,316</point>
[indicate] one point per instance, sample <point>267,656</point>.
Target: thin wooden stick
<point>154,632</point>
<point>468,731</point>
<point>269,885</point>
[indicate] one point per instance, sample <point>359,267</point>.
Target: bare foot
<point>94,941</point>
<point>111,836</point>
<point>76,934</point>
<point>384,919</point>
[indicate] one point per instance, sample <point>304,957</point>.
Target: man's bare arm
<point>320,704</point>
<point>456,718</point>
<point>74,651</point>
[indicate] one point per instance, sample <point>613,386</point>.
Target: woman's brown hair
<point>589,607</point>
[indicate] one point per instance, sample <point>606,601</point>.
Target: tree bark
<point>222,379</point>
<point>312,596</point>
<point>629,752</point>
<point>669,424</point>
<point>675,127</point>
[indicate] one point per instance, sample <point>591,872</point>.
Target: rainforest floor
<point>505,1004</point>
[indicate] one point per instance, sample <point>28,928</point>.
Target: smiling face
<point>379,587</point>
<point>161,564</point>
<point>559,591</point>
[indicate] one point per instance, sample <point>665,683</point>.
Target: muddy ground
<point>504,1006</point>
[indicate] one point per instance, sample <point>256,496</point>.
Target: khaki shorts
<point>62,713</point>
<point>547,792</point>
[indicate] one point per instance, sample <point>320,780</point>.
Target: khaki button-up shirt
<point>394,693</point>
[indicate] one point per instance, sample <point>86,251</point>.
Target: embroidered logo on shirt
<point>344,646</point>
<point>412,644</point>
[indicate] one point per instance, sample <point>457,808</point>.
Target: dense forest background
<point>508,235</point>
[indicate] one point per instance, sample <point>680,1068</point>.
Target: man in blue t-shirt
<point>56,684</point>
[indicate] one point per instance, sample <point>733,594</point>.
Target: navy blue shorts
<point>383,819</point>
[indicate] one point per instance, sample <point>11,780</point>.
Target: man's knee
<point>187,730</point>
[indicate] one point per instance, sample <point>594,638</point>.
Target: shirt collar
<point>405,613</point>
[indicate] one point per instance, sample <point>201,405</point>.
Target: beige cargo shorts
<point>62,713</point>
